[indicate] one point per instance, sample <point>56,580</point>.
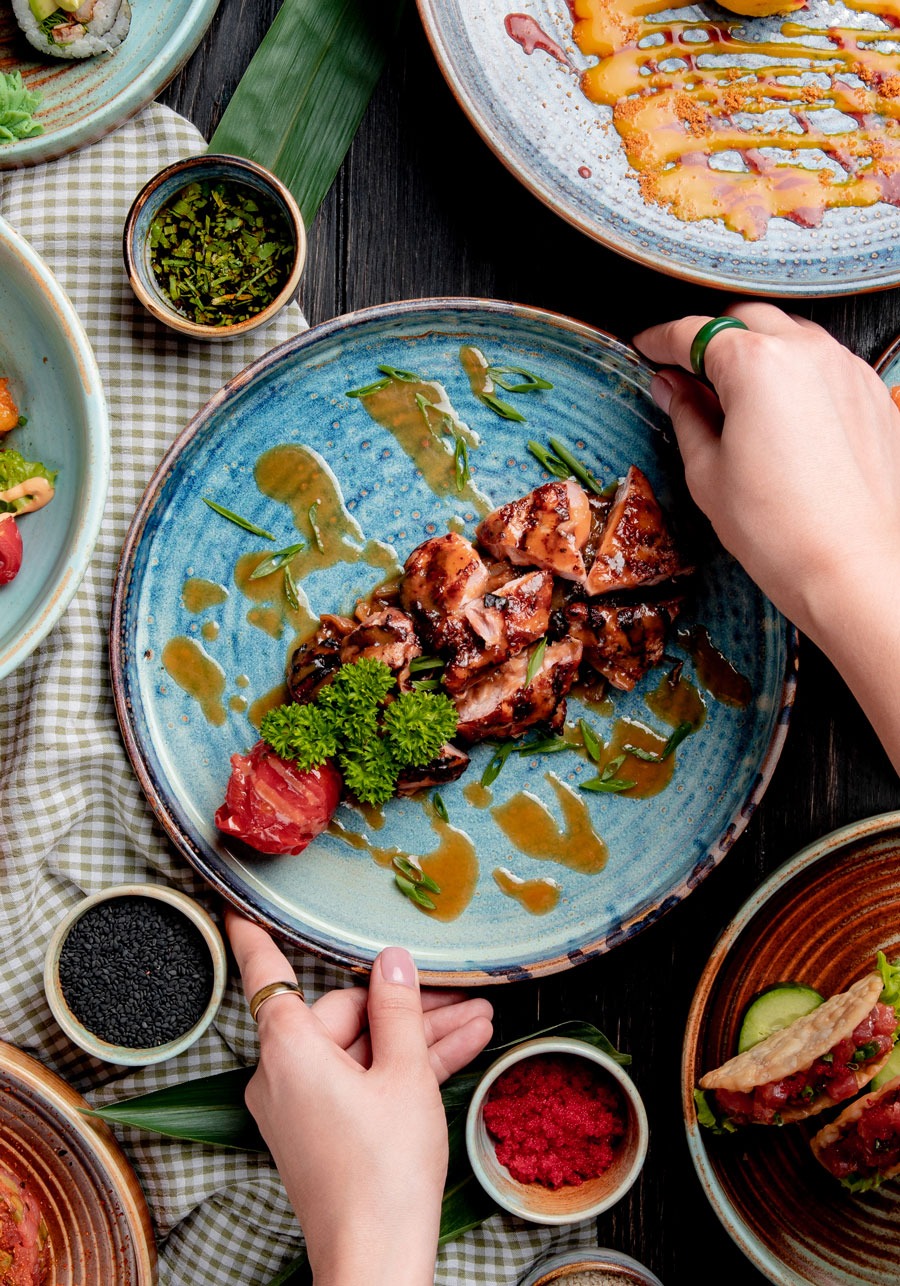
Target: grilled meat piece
<point>500,624</point>
<point>316,661</point>
<point>621,642</point>
<point>387,636</point>
<point>547,528</point>
<point>441,577</point>
<point>636,546</point>
<point>450,764</point>
<point>500,705</point>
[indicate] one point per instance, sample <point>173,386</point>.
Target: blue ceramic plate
<point>888,365</point>
<point>54,379</point>
<point>332,899</point>
<point>566,150</point>
<point>86,98</point>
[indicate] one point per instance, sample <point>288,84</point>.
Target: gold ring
<point>259,998</point>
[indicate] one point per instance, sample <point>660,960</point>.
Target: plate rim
<point>647,258</point>
<point>765,1260</point>
<point>61,591</point>
<point>348,957</point>
<point>163,67</point>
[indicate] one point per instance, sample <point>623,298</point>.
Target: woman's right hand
<point>794,456</point>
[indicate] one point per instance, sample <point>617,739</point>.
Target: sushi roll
<point>74,28</point>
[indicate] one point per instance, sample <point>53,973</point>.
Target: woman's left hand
<point>346,1096</point>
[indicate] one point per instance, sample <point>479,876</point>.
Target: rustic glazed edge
<point>628,927</point>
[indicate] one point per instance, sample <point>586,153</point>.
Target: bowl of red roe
<point>556,1131</point>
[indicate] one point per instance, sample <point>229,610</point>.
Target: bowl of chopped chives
<point>214,246</point>
<point>135,974</point>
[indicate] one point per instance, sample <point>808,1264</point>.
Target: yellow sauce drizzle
<point>198,674</point>
<point>676,89</point>
<point>537,896</point>
<point>426,432</point>
<point>198,595</point>
<point>530,827</point>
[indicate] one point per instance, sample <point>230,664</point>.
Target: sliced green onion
<point>461,463</point>
<point>534,662</point>
<point>546,746</point>
<point>413,892</point>
<point>610,786</point>
<point>495,765</point>
<point>548,461</point>
<point>290,588</point>
<point>648,756</point>
<point>395,373</point>
<point>238,520</point>
<point>440,807</point>
<point>314,523</point>
<point>375,387</point>
<point>532,382</point>
<point>503,409</point>
<point>577,468</point>
<point>425,663</point>
<point>276,561</point>
<point>591,741</point>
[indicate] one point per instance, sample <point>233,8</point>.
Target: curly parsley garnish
<point>372,740</point>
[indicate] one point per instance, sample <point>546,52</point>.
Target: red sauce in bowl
<point>555,1120</point>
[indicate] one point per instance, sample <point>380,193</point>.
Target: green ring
<point>701,341</point>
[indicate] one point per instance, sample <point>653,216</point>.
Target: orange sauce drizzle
<point>678,702</point>
<point>677,89</point>
<point>198,674</point>
<point>537,896</point>
<point>714,671</point>
<point>530,826</point>
<point>197,595</point>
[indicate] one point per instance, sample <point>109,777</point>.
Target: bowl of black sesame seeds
<point>135,974</point>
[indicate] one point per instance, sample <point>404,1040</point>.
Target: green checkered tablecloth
<point>222,1218</point>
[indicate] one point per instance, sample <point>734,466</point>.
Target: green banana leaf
<point>300,101</point>
<point>209,1110</point>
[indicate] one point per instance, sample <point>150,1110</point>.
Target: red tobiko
<point>555,1120</point>
<point>273,805</point>
<point>10,548</point>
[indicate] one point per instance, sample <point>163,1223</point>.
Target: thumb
<point>396,1024</point>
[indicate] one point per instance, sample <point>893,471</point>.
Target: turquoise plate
<point>334,900</point>
<point>86,98</point>
<point>52,374</point>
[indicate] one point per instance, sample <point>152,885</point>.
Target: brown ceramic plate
<point>820,919</point>
<point>98,1221</point>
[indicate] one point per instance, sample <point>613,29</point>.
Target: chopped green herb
<point>276,561</point>
<point>548,460</point>
<point>807,1092</point>
<point>577,469</point>
<point>22,421</point>
<point>545,746</point>
<point>220,251</point>
<point>416,874</point>
<point>238,520</point>
<point>828,1058</point>
<point>375,387</point>
<point>419,663</point>
<point>396,373</point>
<point>290,589</point>
<point>314,524</point>
<point>440,807</point>
<point>503,409</point>
<point>534,661</point>
<point>648,756</point>
<point>372,742</point>
<point>495,764</point>
<point>17,107</point>
<point>461,464</point>
<point>529,385</point>
<point>591,741</point>
<point>865,1052</point>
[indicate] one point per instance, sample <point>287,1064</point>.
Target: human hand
<point>795,459</point>
<point>347,1098</point>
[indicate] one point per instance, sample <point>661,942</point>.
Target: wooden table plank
<point>422,207</point>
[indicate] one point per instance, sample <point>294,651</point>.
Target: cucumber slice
<point>888,1072</point>
<point>774,1009</point>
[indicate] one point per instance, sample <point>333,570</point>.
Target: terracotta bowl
<point>98,1222</point>
<point>122,1054</point>
<point>160,189</point>
<point>567,1204</point>
<point>820,919</point>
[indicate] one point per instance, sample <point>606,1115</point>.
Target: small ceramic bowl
<point>161,188</point>
<point>127,1055</point>
<point>567,1204</point>
<point>558,1270</point>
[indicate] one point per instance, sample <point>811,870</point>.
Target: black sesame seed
<point>136,972</point>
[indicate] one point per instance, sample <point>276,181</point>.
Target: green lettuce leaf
<point>862,1184</point>
<point>15,469</point>
<point>890,976</point>
<point>708,1118</point>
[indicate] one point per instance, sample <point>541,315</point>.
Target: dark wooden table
<point>421,207</point>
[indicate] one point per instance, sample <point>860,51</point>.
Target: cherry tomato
<point>10,548</point>
<point>273,805</point>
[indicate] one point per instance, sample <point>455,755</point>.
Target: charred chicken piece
<point>621,642</point>
<point>500,705</point>
<point>450,764</point>
<point>442,576</point>
<point>547,528</point>
<point>502,623</point>
<point>636,546</point>
<point>316,661</point>
<point>388,636</point>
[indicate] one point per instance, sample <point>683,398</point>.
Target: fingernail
<point>662,386</point>
<point>398,966</point>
